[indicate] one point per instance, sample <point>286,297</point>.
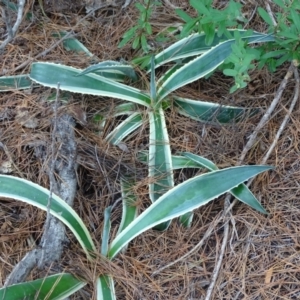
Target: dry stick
<point>127,2</point>
<point>268,113</point>
<point>287,116</point>
<point>65,167</point>
<point>211,227</point>
<point>268,7</point>
<point>252,140</point>
<point>53,185</point>
<point>11,31</point>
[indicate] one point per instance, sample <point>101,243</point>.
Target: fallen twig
<point>11,31</point>
<point>53,184</point>
<point>53,238</point>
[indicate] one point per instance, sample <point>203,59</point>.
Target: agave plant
<point>180,200</point>
<point>193,60</point>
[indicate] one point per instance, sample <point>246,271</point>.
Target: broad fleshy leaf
<point>105,288</point>
<point>130,124</point>
<point>185,197</point>
<point>153,84</point>
<point>200,66</point>
<point>106,231</point>
<point>29,192</point>
<point>195,45</point>
<point>129,200</point>
<point>72,44</point>
<point>126,108</point>
<point>160,160</point>
<point>49,74</point>
<point>211,112</point>
<point>186,219</point>
<point>55,287</point>
<point>113,70</point>
<point>18,82</point>
<point>178,162</point>
<point>240,192</point>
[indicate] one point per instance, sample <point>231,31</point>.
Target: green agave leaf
<point>240,192</point>
<point>129,200</point>
<point>105,288</point>
<point>112,70</point>
<point>153,83</point>
<point>72,44</point>
<point>186,219</point>
<point>211,112</point>
<point>14,7</point>
<point>126,108</point>
<point>195,45</point>
<point>11,5</point>
<point>143,61</point>
<point>160,160</point>
<point>18,82</point>
<point>106,231</point>
<point>184,198</point>
<point>200,66</point>
<point>58,286</point>
<point>29,192</point>
<point>125,128</point>
<point>178,162</point>
<point>203,162</point>
<point>49,74</point>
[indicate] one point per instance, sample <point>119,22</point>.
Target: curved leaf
<point>72,44</point>
<point>130,124</point>
<point>178,162</point>
<point>184,198</point>
<point>106,231</point>
<point>160,160</point>
<point>201,66</point>
<point>17,82</point>
<point>49,74</point>
<point>240,192</point>
<point>111,69</point>
<point>29,192</point>
<point>55,287</point>
<point>211,112</point>
<point>195,45</point>
<point>105,288</point>
<point>129,200</point>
